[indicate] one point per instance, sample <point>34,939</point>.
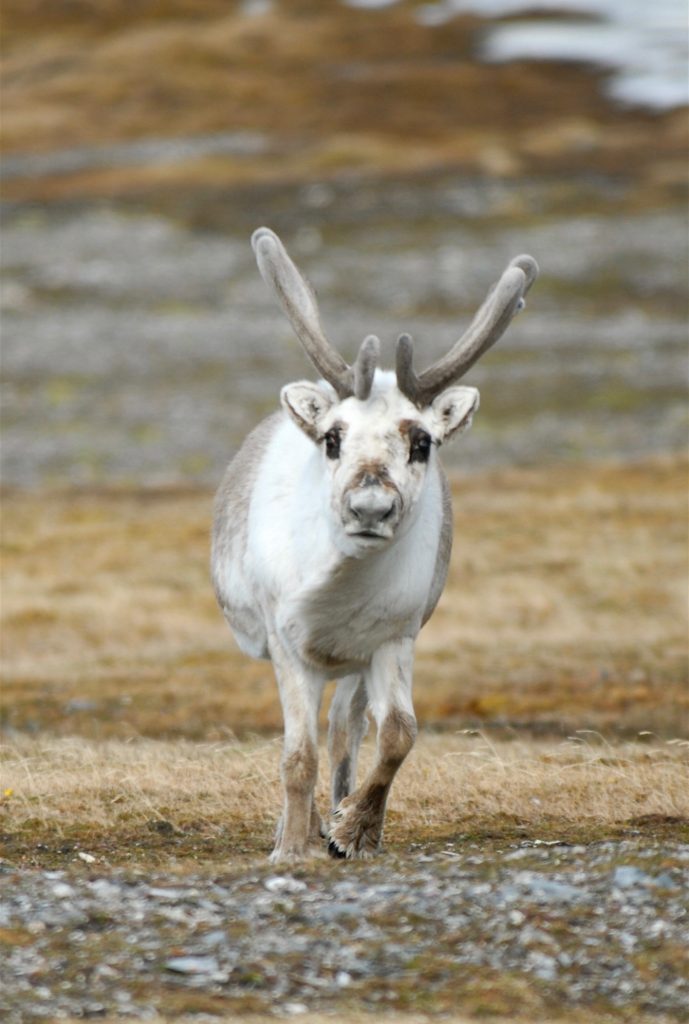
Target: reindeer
<point>331,544</point>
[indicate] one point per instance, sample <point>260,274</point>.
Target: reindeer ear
<point>307,404</point>
<point>453,410</point>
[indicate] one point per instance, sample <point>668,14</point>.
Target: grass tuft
<point>153,800</point>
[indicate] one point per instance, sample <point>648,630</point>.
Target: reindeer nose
<point>373,509</point>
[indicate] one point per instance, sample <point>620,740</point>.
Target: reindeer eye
<point>420,445</point>
<point>333,439</point>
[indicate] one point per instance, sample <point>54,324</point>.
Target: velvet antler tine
<point>529,266</point>
<point>299,304</point>
<point>407,381</point>
<point>364,367</point>
<point>504,299</point>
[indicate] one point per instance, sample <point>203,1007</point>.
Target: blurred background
<point>404,150</point>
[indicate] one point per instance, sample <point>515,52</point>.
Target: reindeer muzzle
<point>372,510</point>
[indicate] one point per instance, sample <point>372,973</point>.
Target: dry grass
<point>566,607</point>
<point>566,602</point>
<point>567,598</point>
<point>221,800</point>
<point>304,75</point>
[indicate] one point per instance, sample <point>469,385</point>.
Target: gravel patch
<point>547,925</point>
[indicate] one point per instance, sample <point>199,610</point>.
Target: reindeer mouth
<point>370,535</point>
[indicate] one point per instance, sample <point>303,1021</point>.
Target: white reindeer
<point>331,545</point>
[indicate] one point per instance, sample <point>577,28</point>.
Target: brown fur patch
<point>396,738</point>
<point>374,469</point>
<point>300,768</point>
<point>405,428</point>
<point>323,660</point>
<point>370,807</point>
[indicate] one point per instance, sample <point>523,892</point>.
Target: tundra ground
<point>537,835</point>
<point>295,87</point>
<point>565,609</point>
<point>157,802</point>
<point>564,618</point>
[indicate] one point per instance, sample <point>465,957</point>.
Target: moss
<point>219,845</point>
<point>36,845</point>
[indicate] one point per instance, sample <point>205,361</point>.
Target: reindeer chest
<point>338,624</point>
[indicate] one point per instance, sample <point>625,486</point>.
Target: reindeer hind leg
<point>347,728</point>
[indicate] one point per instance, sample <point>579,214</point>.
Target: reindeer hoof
<point>354,835</point>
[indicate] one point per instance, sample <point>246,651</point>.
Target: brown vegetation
<point>566,605</point>
<point>153,801</point>
<point>565,608</point>
<point>333,89</point>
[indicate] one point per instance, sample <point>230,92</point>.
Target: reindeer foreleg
<point>300,694</point>
<point>357,821</point>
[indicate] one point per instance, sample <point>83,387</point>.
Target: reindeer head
<point>378,431</point>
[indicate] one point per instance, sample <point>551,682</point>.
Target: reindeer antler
<point>505,298</point>
<point>298,301</point>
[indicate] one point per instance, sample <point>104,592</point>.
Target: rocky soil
<point>523,929</point>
